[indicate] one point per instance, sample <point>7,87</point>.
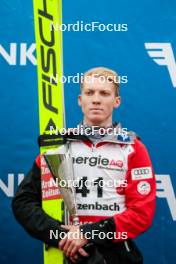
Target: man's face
<point>97,101</point>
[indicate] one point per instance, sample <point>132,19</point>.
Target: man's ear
<point>117,102</point>
<point>79,100</point>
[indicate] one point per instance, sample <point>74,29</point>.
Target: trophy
<point>61,167</point>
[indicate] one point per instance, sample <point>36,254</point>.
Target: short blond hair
<point>108,74</point>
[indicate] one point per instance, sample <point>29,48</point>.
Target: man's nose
<point>96,98</point>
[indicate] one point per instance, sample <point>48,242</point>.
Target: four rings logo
<point>141,173</point>
<point>163,55</point>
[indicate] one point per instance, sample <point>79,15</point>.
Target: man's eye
<point>89,92</point>
<point>105,93</point>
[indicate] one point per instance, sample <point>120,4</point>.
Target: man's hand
<point>72,244</point>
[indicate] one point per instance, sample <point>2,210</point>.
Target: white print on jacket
<point>91,164</point>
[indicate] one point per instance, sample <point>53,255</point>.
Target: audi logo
<point>141,171</point>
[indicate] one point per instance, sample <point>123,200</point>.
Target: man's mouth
<point>96,109</point>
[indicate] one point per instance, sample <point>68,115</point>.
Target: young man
<point>117,212</point>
